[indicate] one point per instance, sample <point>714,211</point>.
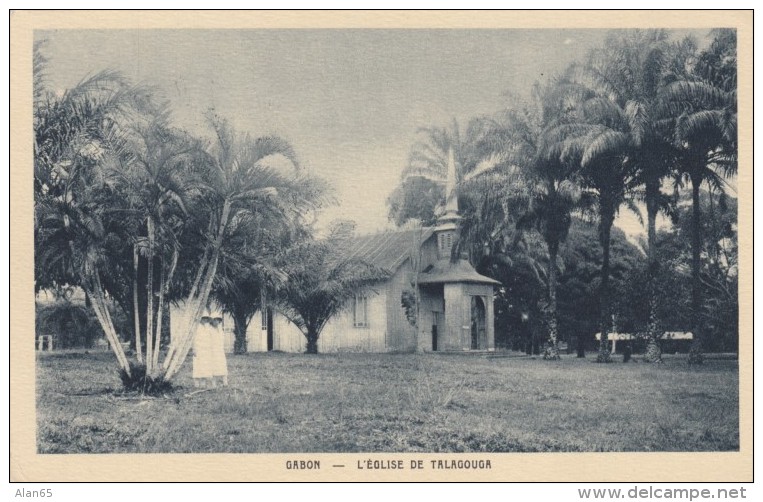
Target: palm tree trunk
<point>96,298</point>
<point>553,333</point>
<point>580,348</point>
<point>605,230</point>
<point>653,352</point>
<point>695,353</point>
<point>136,308</point>
<point>163,291</point>
<point>191,306</point>
<point>175,342</point>
<point>200,274</point>
<point>159,313</point>
<point>240,325</point>
<point>173,267</point>
<point>150,299</point>
<point>197,306</point>
<point>312,340</point>
<point>104,318</point>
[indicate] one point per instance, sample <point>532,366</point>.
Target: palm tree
<point>622,96</point>
<point>151,170</point>
<point>239,179</point>
<point>249,268</point>
<point>241,298</point>
<point>599,135</point>
<point>629,70</point>
<point>74,239</point>
<point>637,65</point>
<point>74,226</point>
<point>547,187</point>
<point>701,112</point>
<point>321,279</point>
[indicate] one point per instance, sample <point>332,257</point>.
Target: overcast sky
<point>350,101</point>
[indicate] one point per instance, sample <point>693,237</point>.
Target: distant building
<point>669,336</point>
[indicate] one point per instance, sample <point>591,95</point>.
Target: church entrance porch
<point>465,322</point>
<point>478,326</point>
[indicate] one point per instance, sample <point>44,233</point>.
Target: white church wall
<point>341,334</point>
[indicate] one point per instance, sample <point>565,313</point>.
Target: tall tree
<point>634,68</point>
<point>151,170</point>
<point>74,220</point>
<point>719,268</point>
<point>109,170</point>
<point>701,111</point>
<point>547,187</point>
<point>599,135</point>
<point>74,235</point>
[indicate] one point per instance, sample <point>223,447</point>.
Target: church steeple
<point>447,223</point>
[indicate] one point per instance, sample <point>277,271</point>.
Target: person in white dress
<point>209,360</point>
<point>217,344</point>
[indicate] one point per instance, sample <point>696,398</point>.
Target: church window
<point>360,311</point>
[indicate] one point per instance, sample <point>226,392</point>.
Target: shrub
<point>139,381</point>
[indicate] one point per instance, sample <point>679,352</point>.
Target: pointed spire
<point>447,223</point>
<point>450,215</point>
<point>451,200</point>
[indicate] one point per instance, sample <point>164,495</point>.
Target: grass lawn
<point>394,403</point>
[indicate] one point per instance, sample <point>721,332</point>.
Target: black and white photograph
<point>447,243</point>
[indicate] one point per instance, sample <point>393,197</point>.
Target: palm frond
<point>605,145</point>
<point>700,126</point>
<point>265,147</point>
<point>638,120</point>
<point>696,94</point>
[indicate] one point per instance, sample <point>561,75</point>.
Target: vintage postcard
<point>381,246</point>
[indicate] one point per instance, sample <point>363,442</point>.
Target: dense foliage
<point>637,117</point>
<point>138,214</point>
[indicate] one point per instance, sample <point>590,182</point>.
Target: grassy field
<point>394,403</point>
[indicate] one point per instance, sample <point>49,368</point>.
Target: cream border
<point>26,465</point>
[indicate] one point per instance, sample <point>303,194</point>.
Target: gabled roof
<point>387,250</point>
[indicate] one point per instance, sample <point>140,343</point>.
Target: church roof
<point>388,250</point>
<point>461,271</point>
